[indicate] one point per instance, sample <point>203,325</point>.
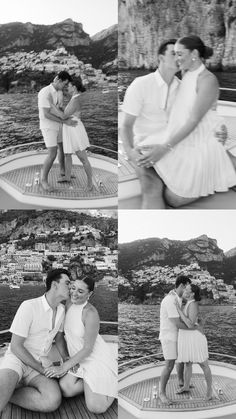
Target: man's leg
<point>61,159</point>
<point>71,385</point>
<point>42,394</point>
<point>8,382</point>
<point>165,375</point>
<point>152,188</point>
<point>52,152</point>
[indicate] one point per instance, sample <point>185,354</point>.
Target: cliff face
<point>144,24</point>
<point>28,37</point>
<point>202,250</point>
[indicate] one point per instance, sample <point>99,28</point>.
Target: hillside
<point>165,252</point>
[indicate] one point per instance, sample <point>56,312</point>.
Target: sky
<point>95,15</point>
<point>179,225</point>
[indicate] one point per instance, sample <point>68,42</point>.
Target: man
<point>146,108</point>
<point>37,322</point>
<point>170,323</point>
<point>50,125</point>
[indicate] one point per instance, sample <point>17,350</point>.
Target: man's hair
<point>163,47</point>
<point>182,279</point>
<point>63,76</point>
<point>55,275</point>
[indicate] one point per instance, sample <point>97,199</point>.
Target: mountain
<point>16,224</point>
<point>29,37</point>
<point>203,250</point>
<point>143,25</point>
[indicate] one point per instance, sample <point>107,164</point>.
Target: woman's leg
<point>187,378</point>
<point>96,403</point>
<point>82,155</point>
<point>208,377</point>
<point>151,187</point>
<point>176,201</point>
<point>71,385</point>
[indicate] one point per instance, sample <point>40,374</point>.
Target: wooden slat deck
<point>23,180</point>
<point>140,394</point>
<point>73,408</point>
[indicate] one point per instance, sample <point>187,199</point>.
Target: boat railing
<point>158,357</point>
<point>39,146</point>
<point>101,322</point>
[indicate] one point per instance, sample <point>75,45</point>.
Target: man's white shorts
<point>26,373</point>
<point>51,137</point>
<point>169,349</point>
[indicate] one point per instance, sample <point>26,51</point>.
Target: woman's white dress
<point>75,138</point>
<point>99,369</point>
<point>192,344</point>
<point>198,165</point>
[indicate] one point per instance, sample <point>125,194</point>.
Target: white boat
<point>15,286</point>
<point>139,392</point>
<point>129,191</point>
<point>20,168</point>
<point>72,408</point>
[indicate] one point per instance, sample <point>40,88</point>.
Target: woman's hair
<point>89,282</point>
<point>196,291</point>
<point>78,84</point>
<point>192,42</point>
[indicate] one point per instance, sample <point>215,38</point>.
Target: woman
<point>96,374</point>
<point>190,161</point>
<point>192,344</point>
<point>75,139</point>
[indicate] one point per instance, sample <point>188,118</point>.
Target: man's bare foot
<point>182,390</point>
<point>46,187</point>
<point>165,399</point>
<point>63,179</point>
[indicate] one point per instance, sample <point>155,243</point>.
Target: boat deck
<point>105,183</point>
<point>73,408</point>
<point>140,394</point>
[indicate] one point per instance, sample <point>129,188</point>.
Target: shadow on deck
<point>73,408</point>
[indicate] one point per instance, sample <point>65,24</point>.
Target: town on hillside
<point>27,259</point>
<point>150,284</point>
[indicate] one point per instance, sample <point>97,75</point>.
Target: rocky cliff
<point>144,24</point>
<point>202,250</point>
<point>28,37</point>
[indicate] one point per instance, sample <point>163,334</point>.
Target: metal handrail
<point>42,142</point>
<point>101,322</point>
<point>161,353</point>
<point>228,88</point>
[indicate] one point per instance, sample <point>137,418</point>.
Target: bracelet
<point>169,146</point>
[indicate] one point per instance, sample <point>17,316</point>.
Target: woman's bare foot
<point>90,187</point>
<point>165,399</point>
<point>209,396</point>
<point>46,187</point>
<point>183,390</point>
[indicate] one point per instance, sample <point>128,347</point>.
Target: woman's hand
<point>152,154</point>
<point>53,371</point>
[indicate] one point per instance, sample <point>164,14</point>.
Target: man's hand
<point>70,122</point>
<point>55,372</point>
<point>151,155</point>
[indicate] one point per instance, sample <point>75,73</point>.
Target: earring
<point>193,59</point>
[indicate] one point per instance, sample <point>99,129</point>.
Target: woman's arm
<point>91,332</point>
<point>207,95</point>
<point>191,319</point>
<point>72,107</point>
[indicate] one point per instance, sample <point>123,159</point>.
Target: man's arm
<point>180,324</point>
<point>18,349</point>
<point>47,114</point>
<point>61,345</point>
<point>127,137</point>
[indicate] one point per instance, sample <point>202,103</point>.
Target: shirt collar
<point>52,88</point>
<point>46,306</point>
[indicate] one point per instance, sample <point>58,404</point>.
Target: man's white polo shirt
<point>46,97</point>
<point>168,330</point>
<point>149,98</point>
<point>33,321</point>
